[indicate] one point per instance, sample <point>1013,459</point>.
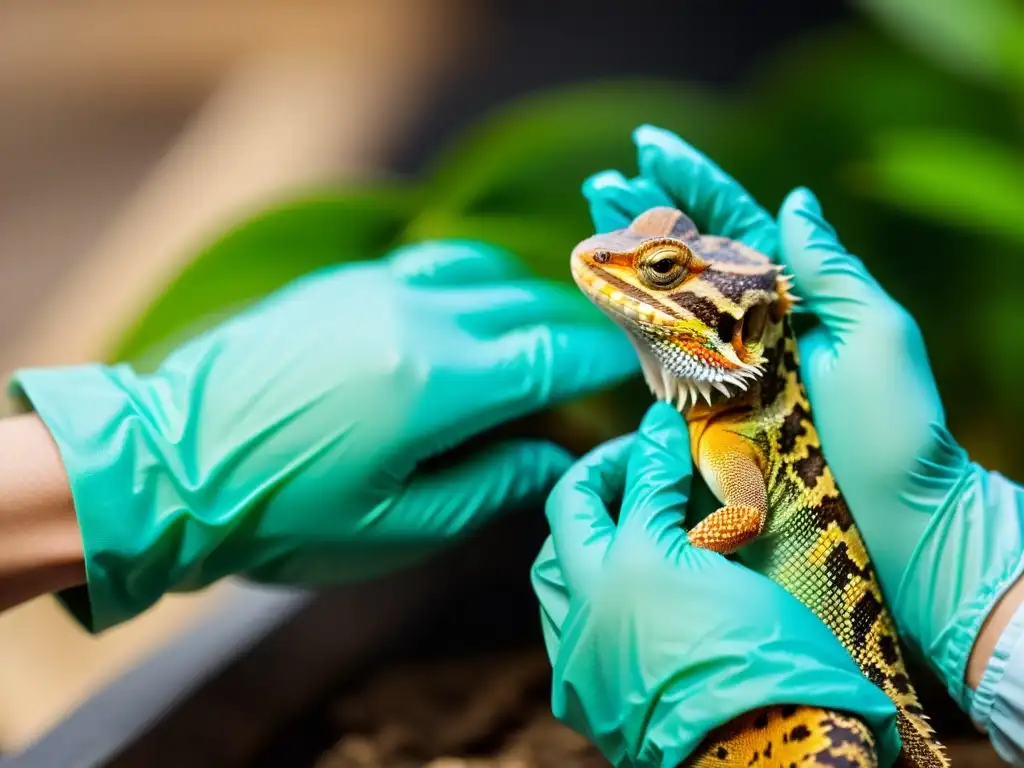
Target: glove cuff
<point>969,554</point>
<point>116,472</point>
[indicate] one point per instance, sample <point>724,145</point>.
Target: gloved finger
<point>817,349</point>
<point>453,262</point>
<point>496,309</point>
<point>577,510</point>
<point>615,201</point>
<point>658,476</point>
<point>714,200</point>
<point>549,586</point>
<point>528,369</point>
<point>834,284</point>
<point>442,504</point>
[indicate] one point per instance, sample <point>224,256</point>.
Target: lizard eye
<point>664,268</point>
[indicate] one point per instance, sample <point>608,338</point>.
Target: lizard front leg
<point>733,469</point>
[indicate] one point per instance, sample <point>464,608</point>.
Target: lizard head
<point>699,309</point>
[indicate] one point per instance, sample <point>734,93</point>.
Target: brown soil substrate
<point>488,712</point>
<point>491,711</point>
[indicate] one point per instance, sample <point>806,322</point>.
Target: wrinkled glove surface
<point>286,444</point>
<point>654,643</point>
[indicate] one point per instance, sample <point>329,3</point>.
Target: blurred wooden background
<point>131,130</point>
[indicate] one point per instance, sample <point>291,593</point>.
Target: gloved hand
<point>946,536</point>
<point>286,444</point>
<point>655,643</point>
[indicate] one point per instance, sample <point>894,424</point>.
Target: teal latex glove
<point>946,536</point>
<point>285,445</point>
<point>655,643</point>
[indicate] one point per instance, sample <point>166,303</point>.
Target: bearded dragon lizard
<point>709,318</point>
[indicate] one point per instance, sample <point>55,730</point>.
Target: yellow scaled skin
<point>786,736</point>
<point>709,318</point>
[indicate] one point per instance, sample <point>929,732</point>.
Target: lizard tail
<point>787,736</point>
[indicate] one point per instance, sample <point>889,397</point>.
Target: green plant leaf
<point>957,180</point>
<point>262,254</point>
<point>817,104</point>
<point>514,178</point>
<point>530,157</point>
<point>982,39</point>
<point>542,244</point>
<point>1004,343</point>
<point>868,81</point>
<point>825,97</point>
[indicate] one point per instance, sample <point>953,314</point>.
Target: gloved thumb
<point>615,200</point>
<point>446,502</point>
<point>834,284</point>
<point>658,476</point>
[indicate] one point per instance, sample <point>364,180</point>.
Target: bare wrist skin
<point>40,543</point>
<point>991,630</point>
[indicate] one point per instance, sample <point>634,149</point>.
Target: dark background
<point>537,45</point>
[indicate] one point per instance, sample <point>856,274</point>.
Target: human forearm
<point>991,631</point>
<point>40,544</point>
<point>995,676</point>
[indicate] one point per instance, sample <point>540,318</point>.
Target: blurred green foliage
<point>907,125</point>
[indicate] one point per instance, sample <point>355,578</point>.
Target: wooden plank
<point>144,48</point>
<point>277,125</point>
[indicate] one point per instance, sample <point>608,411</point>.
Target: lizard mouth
<point>683,360</point>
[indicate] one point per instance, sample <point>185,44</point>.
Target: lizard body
<point>709,318</point>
